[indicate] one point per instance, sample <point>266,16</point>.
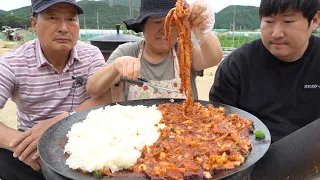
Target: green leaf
<point>259,134</point>
<point>97,174</point>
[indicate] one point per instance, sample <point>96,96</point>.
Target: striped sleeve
<point>97,62</point>
<point>7,82</point>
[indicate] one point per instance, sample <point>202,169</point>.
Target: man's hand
<point>26,143</point>
<point>34,164</point>
<point>7,135</point>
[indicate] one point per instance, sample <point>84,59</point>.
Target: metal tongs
<point>144,82</point>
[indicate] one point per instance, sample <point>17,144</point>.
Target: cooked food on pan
<point>159,142</point>
<point>209,141</point>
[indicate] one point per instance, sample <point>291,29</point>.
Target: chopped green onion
<point>259,134</point>
<point>97,174</point>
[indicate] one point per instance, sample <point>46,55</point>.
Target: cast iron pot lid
<point>122,38</point>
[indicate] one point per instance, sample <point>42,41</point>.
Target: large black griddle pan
<point>294,157</point>
<point>51,149</point>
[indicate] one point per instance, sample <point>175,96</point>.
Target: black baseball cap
<point>40,5</point>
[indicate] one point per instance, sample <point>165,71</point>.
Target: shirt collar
<point>42,60</point>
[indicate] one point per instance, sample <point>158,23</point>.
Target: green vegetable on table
<point>97,174</point>
<point>259,134</point>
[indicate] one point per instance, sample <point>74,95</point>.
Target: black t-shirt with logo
<point>284,95</point>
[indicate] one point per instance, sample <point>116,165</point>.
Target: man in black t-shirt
<point>276,78</point>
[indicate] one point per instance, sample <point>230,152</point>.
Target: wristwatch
<point>71,113</point>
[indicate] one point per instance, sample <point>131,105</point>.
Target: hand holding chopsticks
<point>128,67</point>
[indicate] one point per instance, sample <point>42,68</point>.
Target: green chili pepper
<point>259,134</point>
<point>97,174</point>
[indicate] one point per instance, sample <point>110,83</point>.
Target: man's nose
<point>278,31</point>
<point>63,26</point>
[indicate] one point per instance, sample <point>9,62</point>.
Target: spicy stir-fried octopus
<point>209,141</point>
<point>178,16</point>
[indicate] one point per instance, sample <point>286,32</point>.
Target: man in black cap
<point>47,80</point>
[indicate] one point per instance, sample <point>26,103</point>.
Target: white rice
<point>112,138</point>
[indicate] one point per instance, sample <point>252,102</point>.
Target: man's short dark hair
<point>273,7</point>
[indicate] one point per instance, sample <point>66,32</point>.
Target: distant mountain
<point>135,3</point>
<point>13,21</point>
<point>24,12</point>
<point>99,13</point>
<point>246,16</point>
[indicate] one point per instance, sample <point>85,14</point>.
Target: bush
<point>226,41</point>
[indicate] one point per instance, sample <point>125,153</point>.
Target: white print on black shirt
<point>314,86</point>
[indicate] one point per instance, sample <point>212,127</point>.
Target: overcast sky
<point>217,5</point>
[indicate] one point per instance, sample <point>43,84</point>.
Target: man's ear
<point>33,21</point>
<point>315,21</point>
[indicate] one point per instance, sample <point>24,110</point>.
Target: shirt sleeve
<point>7,82</point>
<point>97,62</point>
<point>226,86</point>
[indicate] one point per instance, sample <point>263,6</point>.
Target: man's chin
<point>283,56</point>
<point>63,47</point>
<point>277,51</point>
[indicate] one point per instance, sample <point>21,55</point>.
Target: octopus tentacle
<point>179,16</point>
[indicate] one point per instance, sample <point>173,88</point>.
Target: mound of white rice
<point>112,138</point>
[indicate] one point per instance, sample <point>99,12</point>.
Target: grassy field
<point>226,41</point>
